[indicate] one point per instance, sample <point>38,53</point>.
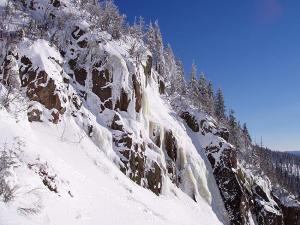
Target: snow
<point>194,167</point>
<point>41,54</point>
<point>101,193</point>
<point>3,3</point>
<point>286,198</point>
<point>217,202</point>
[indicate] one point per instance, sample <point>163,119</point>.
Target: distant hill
<point>295,153</point>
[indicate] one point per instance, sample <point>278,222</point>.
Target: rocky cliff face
<point>89,79</point>
<point>249,199</point>
<point>86,78</point>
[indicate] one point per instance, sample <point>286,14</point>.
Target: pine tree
<point>234,130</point>
<point>193,89</point>
<point>137,30</point>
<point>219,105</point>
<point>246,133</point>
<point>111,20</point>
<point>179,82</point>
<point>194,72</point>
<point>160,64</point>
<point>203,91</point>
<point>210,91</point>
<point>155,44</point>
<point>170,63</point>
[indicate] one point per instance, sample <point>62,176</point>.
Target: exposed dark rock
<point>31,5</point>
<point>76,102</point>
<point>291,215</point>
<point>172,171</point>
<point>205,127</point>
<point>26,61</point>
<point>34,115</point>
<point>125,141</point>
<point>134,162</point>
<point>148,68</point>
<point>137,166</point>
<point>232,193</point>
<point>223,133</point>
<point>72,64</point>
<point>123,102</point>
<point>171,145</point>
<point>138,93</point>
<point>190,121</point>
<point>55,3</point>
<point>259,192</point>
<point>90,130</point>
<point>100,81</point>
<point>115,124</point>
<point>44,92</point>
<point>162,87</point>
<point>82,44</point>
<point>80,75</point>
<point>154,179</point>
<point>66,80</point>
<point>42,77</point>
<point>77,33</point>
<point>108,104</point>
<point>55,116</point>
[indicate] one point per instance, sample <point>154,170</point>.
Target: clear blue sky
<point>251,49</point>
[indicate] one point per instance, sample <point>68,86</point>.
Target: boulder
<point>190,121</point>
<point>34,115</point>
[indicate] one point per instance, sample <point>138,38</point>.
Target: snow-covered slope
<point>61,180</point>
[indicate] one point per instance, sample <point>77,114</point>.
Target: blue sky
<point>251,49</point>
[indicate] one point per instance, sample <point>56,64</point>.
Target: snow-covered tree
<point>203,91</point>
<point>246,134</point>
<point>179,82</point>
<point>94,13</point>
<point>170,68</point>
<point>111,20</point>
<point>193,87</point>
<point>137,30</point>
<point>155,44</point>
<point>219,105</point>
<point>234,130</point>
<point>194,72</point>
<point>210,91</point>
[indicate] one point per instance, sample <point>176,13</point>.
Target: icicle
<point>145,109</point>
<point>162,136</point>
